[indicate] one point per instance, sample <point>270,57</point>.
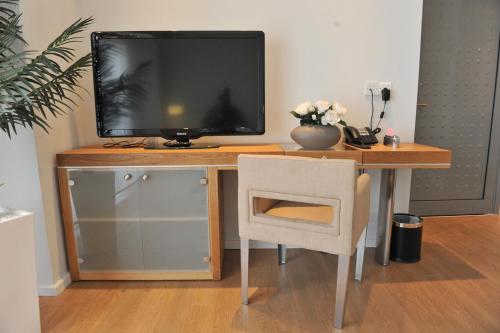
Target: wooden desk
<point>409,155</point>
<point>225,158</point>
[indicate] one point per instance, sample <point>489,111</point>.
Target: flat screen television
<point>178,85</point>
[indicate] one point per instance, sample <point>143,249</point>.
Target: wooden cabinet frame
<point>216,240</point>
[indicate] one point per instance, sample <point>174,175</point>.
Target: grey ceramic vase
<point>316,136</point>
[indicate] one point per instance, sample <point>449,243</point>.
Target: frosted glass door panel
<point>176,245</point>
<point>106,220</point>
<point>104,194</point>
<point>173,192</point>
<point>137,219</point>
<point>110,246</point>
<point>174,222</point>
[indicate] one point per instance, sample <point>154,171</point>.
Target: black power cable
<point>373,111</point>
<point>386,95</point>
<point>125,144</point>
<point>382,114</point>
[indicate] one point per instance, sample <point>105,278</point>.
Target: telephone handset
<point>360,137</point>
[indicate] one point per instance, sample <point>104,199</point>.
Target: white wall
<point>325,49</point>
<point>41,24</point>
<point>21,189</point>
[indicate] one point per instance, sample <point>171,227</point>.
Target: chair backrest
<point>297,179</point>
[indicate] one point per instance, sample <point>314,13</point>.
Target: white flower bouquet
<point>321,113</point>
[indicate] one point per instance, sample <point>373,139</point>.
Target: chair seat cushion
<point>292,210</point>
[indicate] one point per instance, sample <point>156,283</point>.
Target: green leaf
<point>34,86</point>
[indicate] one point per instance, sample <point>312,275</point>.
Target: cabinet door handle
<point>127,176</point>
<point>71,182</point>
<point>145,177</point>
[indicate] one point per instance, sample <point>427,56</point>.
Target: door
<point>174,219</point>
<point>138,220</point>
<point>106,220</point>
<point>456,107</point>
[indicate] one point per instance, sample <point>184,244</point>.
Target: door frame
<point>495,135</point>
<point>491,188</point>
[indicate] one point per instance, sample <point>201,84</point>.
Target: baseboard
<point>371,242</point>
<point>235,244</point>
<point>56,288</point>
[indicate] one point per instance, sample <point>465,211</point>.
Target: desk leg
<point>281,254</point>
<point>385,214</point>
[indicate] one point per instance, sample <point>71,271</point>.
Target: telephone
<point>360,137</point>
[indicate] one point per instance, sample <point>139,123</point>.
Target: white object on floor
<point>19,310</point>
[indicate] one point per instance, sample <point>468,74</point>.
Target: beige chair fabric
<point>315,181</point>
<point>317,204</point>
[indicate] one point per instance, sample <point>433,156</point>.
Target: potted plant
<point>318,124</point>
<point>36,85</point>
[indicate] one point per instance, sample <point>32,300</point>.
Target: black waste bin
<point>406,238</point>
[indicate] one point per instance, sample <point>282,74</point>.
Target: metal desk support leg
<point>385,214</point>
<point>282,254</point>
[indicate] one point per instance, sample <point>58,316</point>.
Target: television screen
<point>175,84</point>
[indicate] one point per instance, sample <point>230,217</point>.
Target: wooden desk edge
<point>225,158</point>
<point>99,157</point>
<point>409,156</point>
<point>403,166</point>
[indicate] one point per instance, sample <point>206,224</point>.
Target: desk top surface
<point>409,155</point>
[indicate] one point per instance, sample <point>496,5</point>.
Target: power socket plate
<point>376,86</point>
<point>373,85</point>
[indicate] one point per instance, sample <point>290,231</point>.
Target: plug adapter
<point>386,94</point>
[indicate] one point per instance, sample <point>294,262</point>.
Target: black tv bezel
<point>177,133</point>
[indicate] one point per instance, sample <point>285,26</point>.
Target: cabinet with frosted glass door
<point>137,223</point>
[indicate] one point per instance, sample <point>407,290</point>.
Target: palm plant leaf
<point>34,86</point>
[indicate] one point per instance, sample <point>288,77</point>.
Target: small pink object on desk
<point>390,139</point>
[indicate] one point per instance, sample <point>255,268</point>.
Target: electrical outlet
<point>374,85</point>
<point>384,84</point>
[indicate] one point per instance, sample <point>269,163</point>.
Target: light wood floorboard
<point>455,288</point>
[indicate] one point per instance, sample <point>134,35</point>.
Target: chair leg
<point>342,281</point>
<point>244,269</point>
<point>360,255</point>
<point>281,254</point>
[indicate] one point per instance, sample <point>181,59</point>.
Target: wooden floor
<point>455,288</point>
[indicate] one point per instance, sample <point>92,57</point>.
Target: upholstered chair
<point>316,204</point>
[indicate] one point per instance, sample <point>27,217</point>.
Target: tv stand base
<point>182,145</point>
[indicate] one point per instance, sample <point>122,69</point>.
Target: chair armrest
<point>361,207</point>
